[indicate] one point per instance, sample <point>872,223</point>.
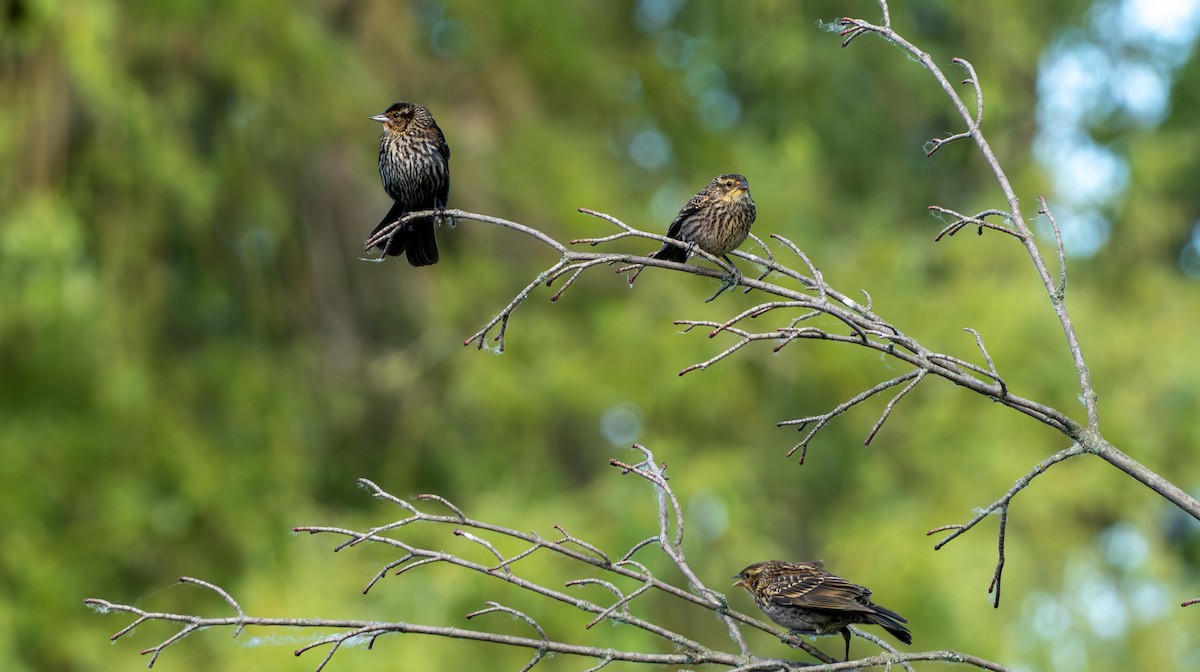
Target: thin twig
<point>1023,482</point>
<point>961,221</point>
<point>887,410</point>
<point>824,418</point>
<point>1060,290</point>
<point>496,606</point>
<point>1002,506</point>
<point>992,372</point>
<point>994,588</point>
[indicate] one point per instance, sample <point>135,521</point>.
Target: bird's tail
<point>422,243</point>
<point>670,252</point>
<point>416,238</point>
<point>892,622</point>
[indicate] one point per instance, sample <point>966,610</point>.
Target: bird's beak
<point>380,118</point>
<point>740,582</point>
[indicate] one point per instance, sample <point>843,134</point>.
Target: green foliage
<point>194,360</point>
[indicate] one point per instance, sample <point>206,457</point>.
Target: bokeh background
<point>193,359</point>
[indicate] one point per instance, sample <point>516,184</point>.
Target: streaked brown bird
<point>806,599</point>
<point>414,163</point>
<point>716,220</point>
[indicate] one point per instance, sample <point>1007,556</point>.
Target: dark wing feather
<point>688,210</point>
<point>811,587</point>
<point>443,194</point>
<point>669,252</point>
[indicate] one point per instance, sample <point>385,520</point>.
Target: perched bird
<point>414,162</point>
<point>806,599</point>
<point>716,220</point>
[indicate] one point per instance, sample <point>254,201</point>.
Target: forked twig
<point>823,419</point>
<point>1002,506</point>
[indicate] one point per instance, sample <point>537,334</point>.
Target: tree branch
<point>853,28</point>
<point>814,298</point>
<point>686,651</point>
<point>1087,439</point>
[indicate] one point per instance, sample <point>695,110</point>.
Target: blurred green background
<point>194,360</point>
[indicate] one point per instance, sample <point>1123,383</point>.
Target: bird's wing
<point>688,210</point>
<point>814,588</point>
<point>443,148</point>
<point>443,194</point>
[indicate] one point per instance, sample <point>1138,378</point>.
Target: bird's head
<point>732,186</point>
<point>749,576</point>
<point>398,117</point>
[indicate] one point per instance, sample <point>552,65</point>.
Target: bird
<point>414,164</point>
<point>806,599</point>
<point>717,220</point>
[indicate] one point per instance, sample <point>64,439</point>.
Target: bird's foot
<point>441,216</point>
<point>727,282</point>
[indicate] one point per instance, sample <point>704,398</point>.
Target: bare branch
<point>746,339</point>
<point>962,221</point>
<point>887,410</point>
<point>770,257</point>
<point>670,539</point>
<point>880,642</point>
<point>1014,215</point>
<point>1097,445</point>
<point>814,296</point>
<point>1021,484</point>
<point>992,372</point>
<point>566,538</point>
<point>495,606</point>
<point>1002,506</point>
<point>1060,290</point>
<point>937,143</point>
<point>943,365</point>
<point>824,418</point>
<point>501,318</point>
<point>1086,439</point>
<point>488,545</point>
<point>364,628</point>
<point>994,587</point>
<point>427,497</point>
<point>756,311</point>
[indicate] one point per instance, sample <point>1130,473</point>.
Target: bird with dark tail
<point>717,220</point>
<point>806,599</point>
<point>414,163</point>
